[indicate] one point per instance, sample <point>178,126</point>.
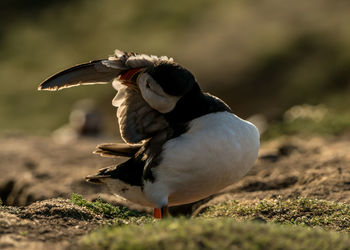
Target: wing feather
<point>95,72</point>
<point>137,120</point>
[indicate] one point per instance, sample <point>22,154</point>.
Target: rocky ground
<point>34,170</point>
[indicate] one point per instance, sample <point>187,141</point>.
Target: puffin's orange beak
<point>129,77</point>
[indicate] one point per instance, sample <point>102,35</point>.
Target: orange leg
<point>159,213</point>
<point>165,211</point>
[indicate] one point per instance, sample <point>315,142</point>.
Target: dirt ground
<point>39,169</point>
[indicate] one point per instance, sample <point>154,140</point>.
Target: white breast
<point>216,151</point>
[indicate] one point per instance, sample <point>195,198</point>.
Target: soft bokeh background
<point>283,64</point>
<point>262,57</point>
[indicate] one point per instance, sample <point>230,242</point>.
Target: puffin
<point>181,144</point>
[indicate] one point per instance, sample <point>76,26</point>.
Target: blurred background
<point>283,64</point>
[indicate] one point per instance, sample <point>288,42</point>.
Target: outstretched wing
<point>98,71</point>
<point>94,72</point>
<point>137,120</point>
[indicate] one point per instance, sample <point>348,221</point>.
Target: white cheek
<point>163,104</point>
<point>159,103</point>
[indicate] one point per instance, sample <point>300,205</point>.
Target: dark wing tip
<point>47,88</point>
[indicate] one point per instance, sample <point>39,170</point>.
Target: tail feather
<point>98,179</point>
<point>102,174</point>
<point>116,150</point>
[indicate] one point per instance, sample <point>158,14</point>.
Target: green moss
<point>23,233</point>
<point>302,211</point>
<point>107,210</point>
<point>222,233</point>
<point>291,224</point>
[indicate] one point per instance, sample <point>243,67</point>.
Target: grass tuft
<point>290,224</point>
<point>221,233</point>
<point>302,211</point>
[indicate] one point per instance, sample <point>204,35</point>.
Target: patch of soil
<point>54,223</point>
<point>36,169</point>
<point>293,167</point>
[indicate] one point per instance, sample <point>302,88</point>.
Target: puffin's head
<point>163,85</point>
